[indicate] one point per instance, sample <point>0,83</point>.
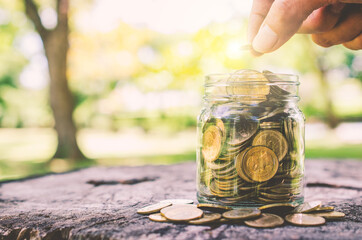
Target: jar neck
<point>251,89</point>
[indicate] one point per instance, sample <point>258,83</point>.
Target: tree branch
<point>31,11</point>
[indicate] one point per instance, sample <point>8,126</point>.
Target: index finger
<point>257,15</point>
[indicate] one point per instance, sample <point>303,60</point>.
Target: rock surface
<point>65,206</point>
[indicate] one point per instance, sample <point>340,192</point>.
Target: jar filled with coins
<point>250,140</point>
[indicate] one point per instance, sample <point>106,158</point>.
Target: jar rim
<point>274,78</point>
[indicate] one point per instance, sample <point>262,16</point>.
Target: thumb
<point>283,21</point>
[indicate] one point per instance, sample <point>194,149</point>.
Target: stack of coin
<point>267,216</point>
<point>252,154</point>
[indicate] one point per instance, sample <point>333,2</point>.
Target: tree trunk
<point>61,100</point>
<point>55,43</point>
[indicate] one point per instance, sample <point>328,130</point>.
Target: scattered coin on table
<point>242,214</point>
<point>324,209</point>
<point>308,207</point>
<point>181,212</point>
<point>266,220</point>
<point>153,208</point>
<point>330,215</point>
<point>302,219</point>
<point>157,217</point>
<point>206,218</point>
<point>267,216</point>
<point>213,207</point>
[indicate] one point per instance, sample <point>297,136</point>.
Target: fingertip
<point>265,40</point>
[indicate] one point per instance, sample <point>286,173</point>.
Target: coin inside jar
<point>266,220</point>
<point>243,128</point>
<point>258,164</point>
<point>274,140</point>
<point>213,207</point>
<point>260,157</point>
<point>211,143</point>
<point>245,85</point>
<point>278,208</point>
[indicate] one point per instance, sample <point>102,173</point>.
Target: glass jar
<point>250,140</point>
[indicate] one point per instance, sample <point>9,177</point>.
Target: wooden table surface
<point>68,206</point>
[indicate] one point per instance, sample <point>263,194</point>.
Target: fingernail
<point>265,40</point>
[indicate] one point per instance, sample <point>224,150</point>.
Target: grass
<point>341,152</point>
<point>26,152</point>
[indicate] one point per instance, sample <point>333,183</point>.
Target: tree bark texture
<point>56,47</point>
<point>101,203</point>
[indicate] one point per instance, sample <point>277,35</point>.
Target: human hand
<point>273,22</point>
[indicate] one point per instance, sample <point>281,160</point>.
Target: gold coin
<point>223,220</point>
<point>153,208</point>
<point>308,207</point>
<point>259,164</point>
<point>177,201</point>
<point>301,219</point>
<point>213,207</point>
<point>218,192</point>
<point>275,195</point>
<point>233,188</point>
<point>329,215</point>
<point>218,166</point>
<point>237,199</point>
<point>238,165</point>
<point>242,129</point>
<point>230,176</point>
<point>249,84</point>
<point>225,158</point>
<point>324,209</point>
<point>226,171</point>
<point>242,213</point>
<point>268,200</point>
<point>278,208</point>
<point>273,78</point>
<point>157,217</point>
<point>272,184</point>
<point>206,177</point>
<point>182,212</point>
<point>266,220</point>
<point>206,218</point>
<point>281,189</point>
<point>211,143</point>
<point>232,150</point>
<point>270,125</point>
<point>228,182</point>
<point>220,124</point>
<point>287,166</point>
<point>164,210</point>
<point>274,140</point>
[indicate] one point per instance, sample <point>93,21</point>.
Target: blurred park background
<point>133,73</point>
